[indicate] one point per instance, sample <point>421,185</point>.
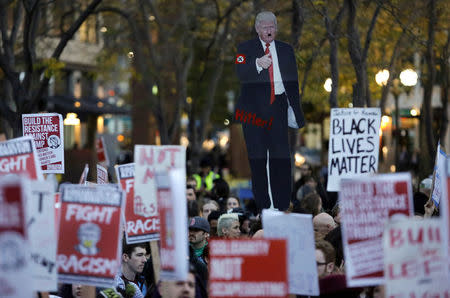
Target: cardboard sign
<point>138,227</point>
<point>48,133</point>
<point>171,195</point>
<point>102,175</point>
<point>148,161</point>
<point>42,236</point>
<point>415,259</point>
<point>89,235</point>
<point>102,154</point>
<point>366,205</point>
<point>353,146</point>
<point>18,156</point>
<point>84,174</point>
<point>445,203</point>
<point>248,268</point>
<point>15,277</point>
<point>298,230</point>
<point>439,165</point>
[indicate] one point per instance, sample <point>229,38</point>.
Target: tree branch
<point>370,31</point>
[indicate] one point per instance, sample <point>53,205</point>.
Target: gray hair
<point>225,221</point>
<point>265,16</point>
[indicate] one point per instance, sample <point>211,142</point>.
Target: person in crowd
<point>305,172</point>
<point>311,204</point>
<point>419,201</point>
<point>190,193</point>
<point>198,234</point>
<point>213,219</point>
<point>220,193</point>
<point>335,286</point>
<point>335,238</point>
<point>133,262</point>
<point>305,190</point>
<point>191,181</point>
<point>336,213</point>
<point>206,176</point>
<point>178,289</point>
<point>232,202</point>
<point>192,208</point>
<point>244,219</point>
<point>325,258</point>
<point>208,207</point>
<point>228,226</point>
<point>323,223</point>
<point>269,90</point>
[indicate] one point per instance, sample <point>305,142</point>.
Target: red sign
<point>248,268</point>
<point>102,155</point>
<point>138,227</point>
<point>18,156</point>
<point>47,132</point>
<point>366,205</point>
<point>89,235</point>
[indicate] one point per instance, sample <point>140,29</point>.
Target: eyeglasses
<point>320,263</point>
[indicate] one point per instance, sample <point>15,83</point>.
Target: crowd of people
<point>215,212</point>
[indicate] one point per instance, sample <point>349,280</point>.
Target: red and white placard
<point>173,236</point>
<point>366,205</point>
<point>18,156</point>
<point>415,259</point>
<point>89,235</point>
<point>102,154</point>
<point>47,130</point>
<point>248,268</point>
<point>84,175</point>
<point>148,161</point>
<point>15,277</point>
<point>102,175</point>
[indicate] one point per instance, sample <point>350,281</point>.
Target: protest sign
<point>366,204</point>
<point>15,277</point>
<point>298,230</point>
<point>48,133</point>
<point>18,156</point>
<point>135,231</point>
<point>89,235</point>
<point>102,175</point>
<point>148,161</point>
<point>354,143</point>
<point>415,259</point>
<point>248,268</point>
<point>84,174</point>
<point>173,220</point>
<point>102,154</point>
<point>42,234</point>
<point>439,165</point>
<point>445,203</point>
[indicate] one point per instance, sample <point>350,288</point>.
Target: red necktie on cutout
<point>272,86</point>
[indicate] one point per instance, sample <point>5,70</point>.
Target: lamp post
<point>408,79</point>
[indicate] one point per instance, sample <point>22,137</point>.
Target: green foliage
<point>51,67</point>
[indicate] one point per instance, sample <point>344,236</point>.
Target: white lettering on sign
<point>87,265</point>
<point>240,248</point>
<point>248,289</point>
<point>129,183</point>
<point>11,164</point>
<point>90,213</point>
<point>226,268</point>
<point>149,225</point>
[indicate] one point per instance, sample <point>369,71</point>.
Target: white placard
<point>415,259</point>
<point>354,144</point>
<point>298,230</point>
<point>102,175</point>
<point>148,161</point>
<point>47,130</point>
<point>173,215</point>
<point>42,234</point>
<point>439,165</point>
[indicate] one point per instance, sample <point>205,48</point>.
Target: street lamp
<point>408,78</point>
<point>327,85</point>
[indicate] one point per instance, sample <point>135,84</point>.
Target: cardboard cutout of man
<point>269,102</point>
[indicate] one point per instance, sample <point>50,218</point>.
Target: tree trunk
<point>444,90</point>
<point>427,110</point>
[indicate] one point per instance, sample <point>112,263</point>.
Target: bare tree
<point>24,96</point>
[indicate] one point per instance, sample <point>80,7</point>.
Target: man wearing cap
<point>198,235</point>
<point>269,102</point>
